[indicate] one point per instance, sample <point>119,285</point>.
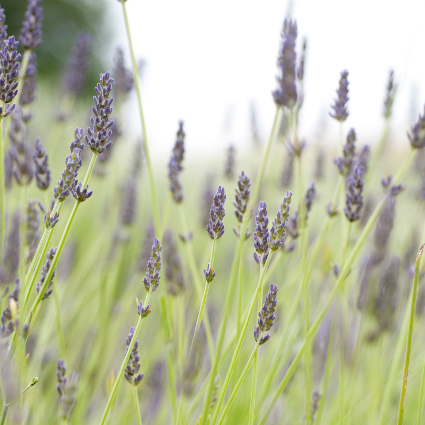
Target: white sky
<point>207,60</point>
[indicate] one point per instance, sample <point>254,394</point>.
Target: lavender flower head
<point>68,180</point>
<point>230,163</point>
<point>345,162</point>
<point>278,229</point>
<point>417,134</point>
<point>390,95</point>
<point>153,277</point>
<point>3,27</point>
<point>98,136</point>
<point>44,273</point>
<point>67,389</point>
<point>209,273</point>
<point>354,197</point>
<point>128,202</point>
<point>79,193</point>
<point>9,71</point>
<point>9,317</point>
<point>132,368</point>
<point>175,165</point>
<point>41,163</point>
<point>33,234</point>
<point>175,283</point>
<point>340,106</point>
<point>78,65</point>
<point>261,235</point>
<point>215,227</point>
<point>31,28</point>
<point>241,201</point>
<point>29,86</point>
<point>266,316</point>
<point>286,94</point>
<point>124,81</point>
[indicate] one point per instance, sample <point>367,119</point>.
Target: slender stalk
<point>3,413</point>
<point>142,119</point>
<point>239,383</point>
<point>22,72</point>
<point>61,337</point>
<point>204,297</point>
<point>409,336</point>
<point>421,398</point>
<point>2,193</point>
<point>136,405</point>
<point>123,364</point>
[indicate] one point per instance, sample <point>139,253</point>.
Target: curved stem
<point>142,119</point>
<point>136,405</point>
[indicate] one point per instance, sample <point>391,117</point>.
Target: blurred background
<point>214,65</point>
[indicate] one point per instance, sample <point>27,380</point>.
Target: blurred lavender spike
<point>67,390</point>
<point>354,196</point>
<point>175,165</point>
<point>29,86</point>
<point>31,32</point>
<point>417,133</point>
<point>266,316</point>
<point>124,81</point>
<point>389,95</point>
<point>132,368</point>
<point>41,162</point>
<point>340,112</point>
<point>278,229</point>
<point>3,28</point>
<point>44,272</point>
<point>261,235</point>
<point>230,162</point>
<point>215,227</point>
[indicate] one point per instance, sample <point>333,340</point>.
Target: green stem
<point>409,337</point>
<point>136,405</point>
<point>204,298</point>
<point>3,413</point>
<point>2,194</point>
<point>61,337</point>
<point>22,72</point>
<point>123,364</point>
<point>142,119</point>
<point>421,398</point>
<point>238,384</point>
<point>241,337</point>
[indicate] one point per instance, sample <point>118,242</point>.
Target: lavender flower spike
<point>340,106</point>
<point>286,94</point>
<point>390,95</point>
<point>3,27</point>
<point>345,162</point>
<point>98,136</point>
<point>354,197</point>
<point>153,277</point>
<point>278,229</point>
<point>266,316</point>
<point>44,273</point>
<point>261,235</point>
<point>9,320</point>
<point>175,165</point>
<point>31,28</point>
<point>68,180</point>
<point>29,86</point>
<point>67,390</point>
<point>215,227</point>
<point>124,81</point>
<point>9,71</point>
<point>41,162</point>
<point>241,200</point>
<point>79,193</point>
<point>133,366</point>
<point>417,134</point>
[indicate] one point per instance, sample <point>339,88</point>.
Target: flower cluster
<point>3,28</point>
<point>67,389</point>
<point>9,317</point>
<point>29,85</point>
<point>175,165</point>
<point>31,28</point>
<point>278,229</point>
<point>175,283</point>
<point>266,316</point>
<point>124,81</point>
<point>41,162</point>
<point>98,136</point>
<point>11,254</point>
<point>33,234</point>
<point>354,197</point>
<point>79,193</point>
<point>68,180</point>
<point>215,227</point>
<point>340,106</point>
<point>261,235</point>
<point>9,71</point>
<point>44,272</point>
<point>389,95</point>
<point>345,162</point>
<point>151,281</point>
<point>417,133</point>
<point>286,94</point>
<point>241,201</point>
<point>133,366</point>
<point>209,273</point>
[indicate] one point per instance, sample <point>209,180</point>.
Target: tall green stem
<point>409,337</point>
<point>136,405</point>
<point>142,119</point>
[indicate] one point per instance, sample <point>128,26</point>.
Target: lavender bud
<point>241,200</point>
<point>9,71</point>
<point>79,193</point>
<point>340,106</point>
<point>229,171</point>
<point>31,28</point>
<point>124,81</point>
<point>389,95</point>
<point>215,227</point>
<point>278,229</point>
<point>261,235</point>
<point>175,283</point>
<point>332,210</point>
<point>209,273</point>
<point>78,65</point>
<point>286,94</point>
<point>68,180</point>
<point>132,368</point>
<point>153,277</point>
<point>143,311</point>
<point>9,317</point>
<point>99,135</point>
<point>417,134</point>
<point>3,27</point>
<point>175,165</point>
<point>51,220</point>
<point>44,272</point>
<point>41,163</point>
<point>67,390</point>
<point>354,197</point>
<point>345,162</point>
<point>77,143</point>
<point>29,86</point>
<point>266,316</point>
<point>309,198</point>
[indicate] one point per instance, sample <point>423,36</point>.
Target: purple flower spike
<point>132,368</point>
<point>41,162</point>
<point>266,316</point>
<point>417,134</point>
<point>340,106</point>
<point>261,235</point>
<point>151,281</point>
<point>9,72</point>
<point>215,227</point>
<point>175,165</point>
<point>354,197</point>
<point>31,28</point>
